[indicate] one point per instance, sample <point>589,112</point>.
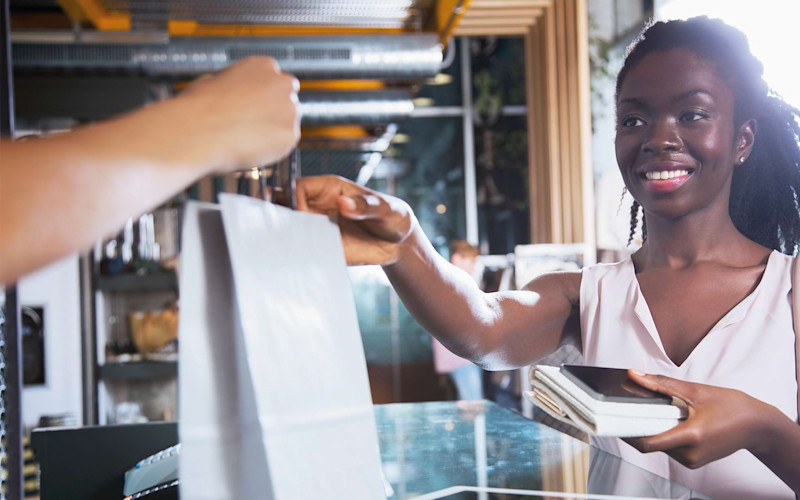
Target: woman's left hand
<point>720,421</point>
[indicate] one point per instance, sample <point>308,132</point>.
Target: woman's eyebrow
<point>632,101</point>
<point>692,93</point>
<point>642,103</point>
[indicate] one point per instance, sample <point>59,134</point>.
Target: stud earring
<point>741,160</point>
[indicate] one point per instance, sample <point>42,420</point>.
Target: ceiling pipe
<point>387,57</point>
<point>363,108</point>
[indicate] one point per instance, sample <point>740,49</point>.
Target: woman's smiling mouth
<point>664,174</point>
<point>661,177</point>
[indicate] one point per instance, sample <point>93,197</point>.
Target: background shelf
<point>165,280</point>
<point>139,370</point>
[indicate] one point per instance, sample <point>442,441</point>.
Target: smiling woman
<point>714,160</point>
<point>713,82</point>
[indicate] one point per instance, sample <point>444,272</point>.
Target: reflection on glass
<point>478,450</point>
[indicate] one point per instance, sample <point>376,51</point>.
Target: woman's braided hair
<point>635,222</point>
<point>765,189</point>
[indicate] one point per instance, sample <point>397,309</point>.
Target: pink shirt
<point>752,349</point>
<point>445,361</point>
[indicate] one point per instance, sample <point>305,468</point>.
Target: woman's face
<point>676,141</point>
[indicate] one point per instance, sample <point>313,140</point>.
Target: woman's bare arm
<point>499,330</point>
<point>496,330</point>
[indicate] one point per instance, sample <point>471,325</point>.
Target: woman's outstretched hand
<point>373,225</point>
<point>720,421</point>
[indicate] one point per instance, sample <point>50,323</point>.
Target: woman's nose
<point>662,136</point>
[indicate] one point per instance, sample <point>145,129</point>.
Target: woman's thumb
<point>360,206</point>
<point>347,204</point>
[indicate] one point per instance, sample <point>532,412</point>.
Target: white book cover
<point>564,400</point>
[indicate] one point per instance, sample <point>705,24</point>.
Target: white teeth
<point>665,174</point>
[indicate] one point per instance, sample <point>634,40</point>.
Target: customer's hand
<point>720,421</point>
<point>247,113</point>
<point>373,225</point>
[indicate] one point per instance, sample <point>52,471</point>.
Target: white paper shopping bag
<point>221,457</point>
<point>305,427</point>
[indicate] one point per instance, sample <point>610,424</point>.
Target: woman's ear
<point>747,137</point>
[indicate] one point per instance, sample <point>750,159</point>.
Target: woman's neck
<point>701,236</point>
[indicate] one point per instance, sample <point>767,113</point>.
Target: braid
<point>634,220</point>
<point>644,227</point>
<point>765,190</point>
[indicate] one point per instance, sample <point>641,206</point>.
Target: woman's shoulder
<point>780,267</point>
<point>783,259</point>
<point>601,270</point>
<point>569,283</point>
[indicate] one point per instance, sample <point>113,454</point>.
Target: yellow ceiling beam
<point>92,11</point>
<point>335,132</point>
<point>193,28</point>
<point>448,14</point>
<point>341,85</point>
<point>322,85</point>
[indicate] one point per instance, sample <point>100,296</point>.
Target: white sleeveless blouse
<point>752,349</point>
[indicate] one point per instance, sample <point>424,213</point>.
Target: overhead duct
<point>329,108</point>
<point>387,57</point>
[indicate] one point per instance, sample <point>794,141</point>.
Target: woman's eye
<point>692,116</point>
<point>632,121</point>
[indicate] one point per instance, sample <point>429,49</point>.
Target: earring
<point>741,160</point>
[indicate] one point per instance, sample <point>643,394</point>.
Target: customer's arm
<point>61,193</point>
<point>496,330</point>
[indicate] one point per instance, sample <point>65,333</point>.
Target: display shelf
<point>162,280</point>
<point>138,370</point>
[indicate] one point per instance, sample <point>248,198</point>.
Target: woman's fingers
<point>378,217</point>
<point>362,206</point>
<point>664,385</point>
<point>720,421</point>
<point>320,194</point>
<point>683,434</point>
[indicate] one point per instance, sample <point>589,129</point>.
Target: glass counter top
<point>479,450</point>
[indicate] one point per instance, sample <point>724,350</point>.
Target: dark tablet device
<point>612,384</point>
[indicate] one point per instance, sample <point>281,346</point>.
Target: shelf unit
<point>138,370</point>
<point>162,280</point>
<point>152,384</point>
